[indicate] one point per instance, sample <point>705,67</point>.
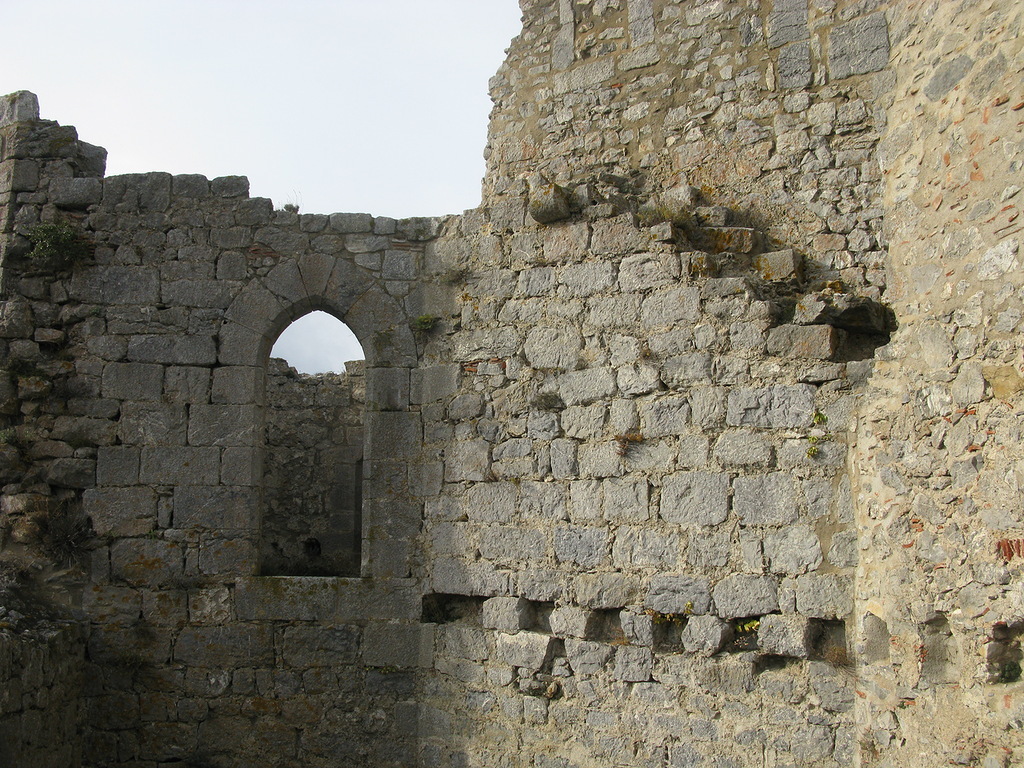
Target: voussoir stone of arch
<point>241,345</point>
<point>315,270</point>
<point>285,281</point>
<point>255,307</point>
<point>376,318</point>
<point>347,283</point>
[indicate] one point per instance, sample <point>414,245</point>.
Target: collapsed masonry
<point>698,443</point>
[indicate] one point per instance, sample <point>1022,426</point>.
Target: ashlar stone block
<point>742,449</point>
<point>781,407</point>
<point>121,511</point>
<point>824,596</point>
<point>526,650</point>
<point>586,657</point>
<point>585,547</point>
<point>765,500</point>
<point>397,645</point>
<point>679,594</point>
<point>785,635</point>
<point>145,561</point>
<point>813,342</point>
<point>132,381</point>
<point>553,348</point>
<point>787,22</point>
<point>509,614</point>
<point>586,386</point>
<point>705,635</point>
<point>792,550</point>
<point>741,595</point>
<point>222,425</point>
<point>695,498</point>
<point>859,46</point>
<point>569,621</point>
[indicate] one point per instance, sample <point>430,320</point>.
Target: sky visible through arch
<point>362,106</point>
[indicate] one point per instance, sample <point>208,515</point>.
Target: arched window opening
<point>313,451</point>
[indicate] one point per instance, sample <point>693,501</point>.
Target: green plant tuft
<point>425,323</point>
<point>1009,672</point>
<point>56,246</point>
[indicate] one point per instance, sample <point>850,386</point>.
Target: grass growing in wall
<point>56,246</point>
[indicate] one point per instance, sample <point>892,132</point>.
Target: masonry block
<point>742,595</point>
<point>678,594</point>
<point>121,511</point>
<point>859,46</point>
<point>785,635</point>
<point>695,498</point>
<point>813,342</point>
<point>765,500</point>
<point>398,645</point>
<point>526,650</point>
<point>225,647</point>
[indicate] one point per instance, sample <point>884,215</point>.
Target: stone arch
<point>353,295</point>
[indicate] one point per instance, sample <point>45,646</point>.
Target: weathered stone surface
<point>15,319</point>
<point>785,635</point>
<point>392,645</point>
<point>695,498</point>
<point>705,635</point>
<point>75,194</point>
<point>815,342</point>
<point>792,550</point>
<point>587,658</point>
<point>776,407</point>
<point>859,47</point>
<point>527,650</point>
<point>548,202</point>
<point>842,310</point>
<point>787,22</point>
<point>224,647</point>
<point>585,547</point>
<point>679,595</point>
<point>121,511</point>
<point>824,596</point>
<point>741,595</point>
<point>766,500</point>
<point>633,665</point>
<point>794,68</point>
<point>779,266</point>
<point>553,348</point>
<point>742,449</point>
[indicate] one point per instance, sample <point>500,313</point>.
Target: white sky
<point>376,106</point>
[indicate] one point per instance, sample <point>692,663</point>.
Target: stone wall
<point>137,394</point>
<point>313,472</point>
<point>938,454</point>
<point>42,658</point>
<point>694,444</point>
<point>768,108</point>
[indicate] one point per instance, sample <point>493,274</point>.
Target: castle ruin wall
<point>694,444</point>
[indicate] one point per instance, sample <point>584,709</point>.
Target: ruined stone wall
<point>937,466</point>
<point>769,108</point>
<point>42,660</point>
<point>136,397</point>
<point>313,471</point>
<point>695,444</point>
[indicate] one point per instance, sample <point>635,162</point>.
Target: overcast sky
<point>375,106</point>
